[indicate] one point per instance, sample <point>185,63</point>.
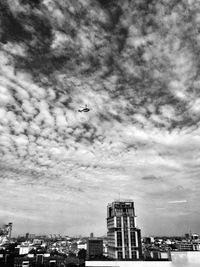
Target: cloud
<point>137,72</point>
<point>177,201</point>
<point>150,178</point>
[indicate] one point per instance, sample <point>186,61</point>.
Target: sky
<point>135,64</point>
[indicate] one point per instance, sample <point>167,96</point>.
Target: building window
<point>126,243</point>
<point>119,222</point>
<point>119,255</point>
<point>132,224</point>
<point>134,254</point>
<point>125,222</point>
<point>119,239</point>
<point>133,241</point>
<point>127,254</point>
<point>130,212</point>
<point>118,212</point>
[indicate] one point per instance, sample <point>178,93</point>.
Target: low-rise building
<point>94,248</point>
<point>82,245</point>
<point>39,260</point>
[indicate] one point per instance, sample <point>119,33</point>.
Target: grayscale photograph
<point>99,133</point>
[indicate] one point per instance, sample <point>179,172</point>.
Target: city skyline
<point>135,65</point>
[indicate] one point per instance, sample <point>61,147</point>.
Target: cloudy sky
<point>136,65</point>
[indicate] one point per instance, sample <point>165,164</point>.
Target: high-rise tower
<point>124,238</point>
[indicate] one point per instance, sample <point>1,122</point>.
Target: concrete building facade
<point>124,238</point>
<point>94,248</point>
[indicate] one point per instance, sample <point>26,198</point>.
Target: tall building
<point>91,235</point>
<point>124,238</point>
<point>27,236</point>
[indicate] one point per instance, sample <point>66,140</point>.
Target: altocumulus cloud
<point>136,65</point>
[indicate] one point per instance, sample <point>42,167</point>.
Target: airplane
<point>85,109</point>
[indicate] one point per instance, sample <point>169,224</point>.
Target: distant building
<point>194,236</point>
<point>184,246</point>
<point>160,255</point>
<point>82,245</point>
<point>124,238</point>
<point>94,248</point>
<point>23,250</point>
<point>31,236</point>
<point>91,235</point>
<point>27,236</point>
<point>37,241</point>
<point>39,260</point>
<point>187,236</point>
<point>196,246</point>
<point>148,240</point>
<point>188,245</point>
